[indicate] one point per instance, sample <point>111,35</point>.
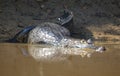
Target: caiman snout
<point>101,49</point>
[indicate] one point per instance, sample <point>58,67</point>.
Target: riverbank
<point>95,19</point>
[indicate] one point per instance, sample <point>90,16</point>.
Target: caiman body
<point>55,34</point>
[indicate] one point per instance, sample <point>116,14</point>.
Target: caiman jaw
<point>76,43</point>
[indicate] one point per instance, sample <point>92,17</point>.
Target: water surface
<point>14,62</point>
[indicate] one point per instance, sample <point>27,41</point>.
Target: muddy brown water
<point>14,63</point>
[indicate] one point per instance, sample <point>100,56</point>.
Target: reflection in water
<point>14,63</point>
<point>53,53</point>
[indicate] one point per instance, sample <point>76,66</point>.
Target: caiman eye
<point>83,41</point>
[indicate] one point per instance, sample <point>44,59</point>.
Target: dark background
<point>98,19</point>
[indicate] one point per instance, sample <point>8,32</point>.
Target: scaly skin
<point>56,35</point>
